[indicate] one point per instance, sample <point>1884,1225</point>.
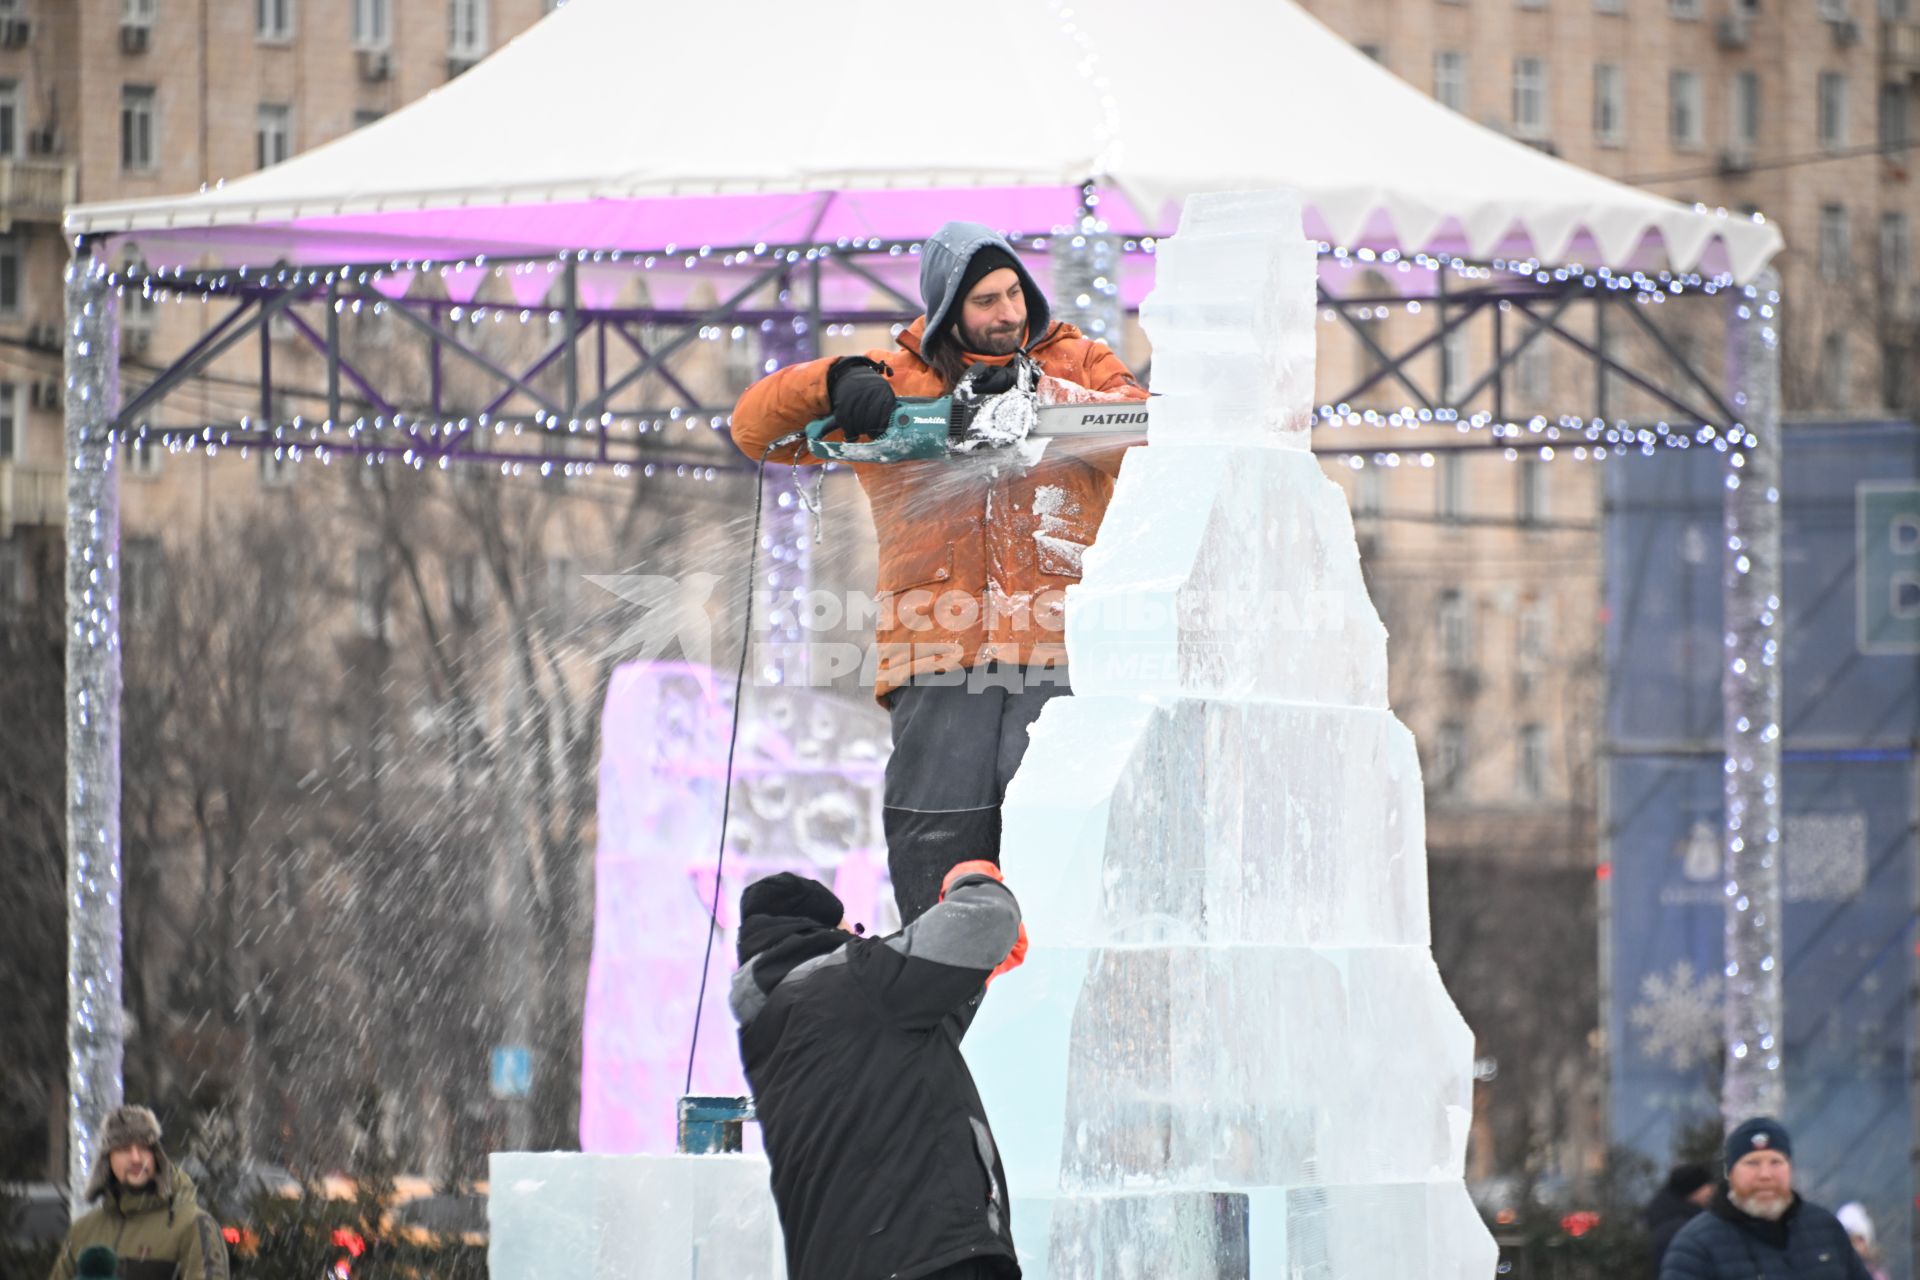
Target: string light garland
<point>1086,251</point>
<point>1750,695</point>
<point>95,1034</point>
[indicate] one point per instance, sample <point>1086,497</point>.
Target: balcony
<point>1900,49</point>
<point>31,496</point>
<point>35,190</point>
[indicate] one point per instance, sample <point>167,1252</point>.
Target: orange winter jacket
<point>976,551</point>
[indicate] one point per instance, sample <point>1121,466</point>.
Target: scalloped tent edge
<point>516,157</point>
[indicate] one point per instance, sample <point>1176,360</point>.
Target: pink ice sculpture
<point>806,798</point>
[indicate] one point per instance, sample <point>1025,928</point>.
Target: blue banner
<point>1852,716</point>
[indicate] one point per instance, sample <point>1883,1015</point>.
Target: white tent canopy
<point>613,125</point>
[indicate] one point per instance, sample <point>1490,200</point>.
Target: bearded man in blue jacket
<point>1757,1227</point>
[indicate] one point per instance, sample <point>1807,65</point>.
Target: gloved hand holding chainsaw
<point>974,560</point>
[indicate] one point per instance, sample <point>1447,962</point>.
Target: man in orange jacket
<point>976,551</point>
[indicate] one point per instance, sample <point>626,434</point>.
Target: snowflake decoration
<point>1680,1016</point>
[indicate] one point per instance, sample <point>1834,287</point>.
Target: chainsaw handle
<point>817,442</point>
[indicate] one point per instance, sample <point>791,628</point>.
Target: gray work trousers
<point>957,740</point>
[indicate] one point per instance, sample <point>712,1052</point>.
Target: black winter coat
<point>883,1165</point>
<point>1725,1244</point>
<point>1666,1214</point>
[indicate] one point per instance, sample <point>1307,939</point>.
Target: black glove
<point>994,379</point>
<point>862,398</point>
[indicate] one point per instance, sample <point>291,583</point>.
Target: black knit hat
<point>787,894</point>
<point>1685,1179</point>
<point>1762,1133</point>
<point>97,1263</point>
<point>985,261</point>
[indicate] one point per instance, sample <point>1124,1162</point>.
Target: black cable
<point>733,741</point>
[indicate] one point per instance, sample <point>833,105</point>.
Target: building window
<point>1836,370</point>
<point>1893,117</point>
<point>467,29</point>
<point>273,19</point>
<point>370,592</point>
<point>1533,762</point>
<point>9,422</point>
<point>1534,636</point>
<point>1683,110</point>
<point>273,134</point>
<point>276,469</point>
<point>1450,79</point>
<point>13,576</point>
<point>1531,492</point>
<point>1685,10</point>
<point>1836,242</point>
<point>1453,486</point>
<point>1456,631</point>
<point>142,579</point>
<point>143,457</point>
<point>137,13</point>
<point>1450,759</point>
<point>1375,52</point>
<point>1609,6</point>
<point>1609,104</point>
<point>372,24</point>
<point>1366,492</point>
<point>137,111</point>
<point>1744,111</point>
<point>1895,261</point>
<point>1833,109</point>
<point>1530,97</point>
<point>9,276</point>
<point>9,118</point>
<point>1533,373</point>
<point>1833,10</point>
<point>1456,355</point>
<point>366,116</point>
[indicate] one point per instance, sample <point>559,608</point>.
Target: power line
<point>1784,162</point>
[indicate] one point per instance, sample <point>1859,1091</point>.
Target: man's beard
<point>1003,341</point>
<point>1771,1208</point>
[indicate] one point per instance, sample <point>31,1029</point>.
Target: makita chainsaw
<point>962,422</point>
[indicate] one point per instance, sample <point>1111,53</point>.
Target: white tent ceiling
<point>614,124</point>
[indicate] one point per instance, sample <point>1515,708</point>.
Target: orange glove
<point>1015,958</point>
<point>978,867</point>
<point>981,867</point>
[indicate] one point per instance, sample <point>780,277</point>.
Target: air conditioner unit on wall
<point>47,395</point>
<point>134,37</point>
<point>1731,31</point>
<point>45,141</point>
<point>375,64</point>
<point>1845,31</point>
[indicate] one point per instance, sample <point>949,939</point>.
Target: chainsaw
<point>961,422</point>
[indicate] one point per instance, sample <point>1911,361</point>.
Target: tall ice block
<point>1229,1053</point>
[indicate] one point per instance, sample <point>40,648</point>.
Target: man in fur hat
<point>148,1212</point>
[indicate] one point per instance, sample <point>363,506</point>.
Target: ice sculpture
<point>566,1216</point>
<point>1229,1054</point>
<point>806,798</point>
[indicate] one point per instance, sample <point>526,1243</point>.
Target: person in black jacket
<point>883,1165</point>
<point>1688,1189</point>
<point>1757,1227</point>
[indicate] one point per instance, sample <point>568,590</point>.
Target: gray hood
<point>944,259</point>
